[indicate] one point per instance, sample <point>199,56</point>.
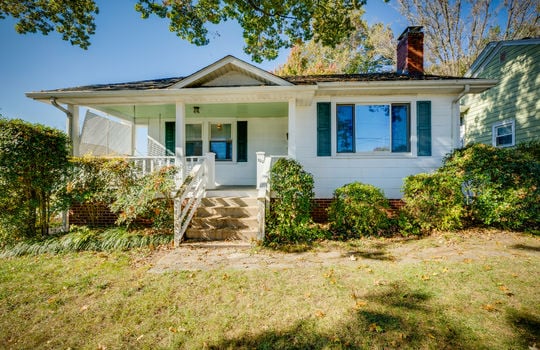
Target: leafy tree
<point>73,19</point>
<point>33,163</point>
<point>457,30</point>
<point>366,49</point>
<point>268,24</point>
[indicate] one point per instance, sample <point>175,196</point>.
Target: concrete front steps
<point>228,214</point>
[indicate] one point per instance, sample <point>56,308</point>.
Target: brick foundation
<point>98,215</point>
<point>92,215</point>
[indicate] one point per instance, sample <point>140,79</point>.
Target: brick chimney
<point>410,51</point>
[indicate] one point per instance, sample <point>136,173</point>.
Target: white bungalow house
<point>375,128</point>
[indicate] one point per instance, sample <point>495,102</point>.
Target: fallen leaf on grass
<point>487,268</point>
<point>320,314</point>
<point>375,328</point>
<point>506,291</point>
<point>489,307</point>
<point>360,304</point>
<point>425,278</point>
<point>84,307</point>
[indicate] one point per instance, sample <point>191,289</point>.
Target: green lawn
<point>110,301</point>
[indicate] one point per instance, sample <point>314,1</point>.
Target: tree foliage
<point>458,30</point>
<point>366,49</point>
<point>33,165</point>
<point>268,25</point>
<point>73,19</point>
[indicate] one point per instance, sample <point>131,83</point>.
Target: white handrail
<point>188,198</point>
<point>264,193</point>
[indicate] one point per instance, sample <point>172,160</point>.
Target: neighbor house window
<point>221,141</point>
<point>194,143</point>
<point>373,128</point>
<point>504,134</point>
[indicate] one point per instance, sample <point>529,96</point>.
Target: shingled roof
<point>389,76</point>
<point>159,84</point>
<point>154,84</point>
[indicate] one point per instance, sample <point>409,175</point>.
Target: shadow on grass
<point>526,247</point>
<point>527,326</point>
<point>394,318</point>
<point>372,254</point>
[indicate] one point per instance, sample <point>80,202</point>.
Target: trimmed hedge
<point>358,210</point>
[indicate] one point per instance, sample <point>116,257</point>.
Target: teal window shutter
<point>423,127</point>
<point>323,129</point>
<point>170,138</point>
<point>241,141</point>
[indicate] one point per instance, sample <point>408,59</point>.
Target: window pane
<point>504,130</point>
<point>193,132</point>
<point>345,129</point>
<point>372,128</point>
<point>400,128</point>
<point>222,149</point>
<point>193,148</point>
<point>220,132</point>
<point>504,140</point>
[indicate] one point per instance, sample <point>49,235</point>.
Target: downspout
<point>455,114</point>
<point>69,115</point>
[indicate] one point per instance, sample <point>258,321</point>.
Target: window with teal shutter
<point>323,129</point>
<point>423,127</point>
<point>170,138</point>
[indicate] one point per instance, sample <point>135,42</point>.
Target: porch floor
<point>233,191</point>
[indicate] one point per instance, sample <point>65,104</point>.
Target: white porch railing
<point>264,164</point>
<point>187,200</point>
<point>149,164</point>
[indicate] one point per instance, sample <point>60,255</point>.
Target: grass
<point>85,239</point>
<point>109,300</point>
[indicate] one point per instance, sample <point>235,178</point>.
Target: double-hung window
<point>194,143</point>
<point>504,134</point>
<point>363,128</point>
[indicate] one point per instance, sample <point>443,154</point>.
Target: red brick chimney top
<point>410,51</point>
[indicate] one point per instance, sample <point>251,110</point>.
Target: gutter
<point>54,103</point>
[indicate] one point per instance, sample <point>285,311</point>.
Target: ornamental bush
<point>358,210</point>
<point>289,219</point>
<point>33,166</point>
<point>479,185</point>
<point>115,183</point>
<point>432,202</point>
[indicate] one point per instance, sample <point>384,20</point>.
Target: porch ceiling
<point>215,110</point>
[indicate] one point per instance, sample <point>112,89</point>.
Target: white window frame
<point>498,125</point>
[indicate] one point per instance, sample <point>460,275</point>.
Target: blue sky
<point>124,48</point>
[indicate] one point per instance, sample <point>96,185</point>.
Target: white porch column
<point>73,129</point>
<point>292,129</point>
<point>210,170</point>
<point>133,137</point>
<point>179,139</point>
<point>260,167</point>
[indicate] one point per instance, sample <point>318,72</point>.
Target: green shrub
<point>358,210</point>
<point>33,165</point>
<point>433,202</point>
<point>479,185</point>
<point>114,181</point>
<point>289,218</point>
